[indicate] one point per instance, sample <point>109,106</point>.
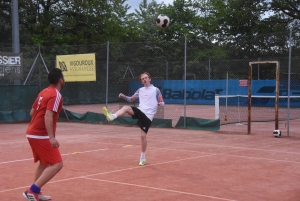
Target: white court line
<point>114,171</point>
<point>250,157</point>
<point>120,170</point>
<point>258,158</point>
<point>80,152</point>
<point>162,189</point>
<point>213,145</point>
<point>15,142</point>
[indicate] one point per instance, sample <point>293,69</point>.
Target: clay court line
<point>79,152</point>
<point>102,173</point>
<point>250,157</point>
<point>215,145</point>
<point>232,147</point>
<point>258,158</point>
<point>162,189</point>
<point>125,169</point>
<point>15,142</point>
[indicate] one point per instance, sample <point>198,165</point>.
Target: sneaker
<point>109,117</point>
<point>31,196</point>
<point>44,197</point>
<point>142,162</point>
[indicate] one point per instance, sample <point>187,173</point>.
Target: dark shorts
<point>143,121</point>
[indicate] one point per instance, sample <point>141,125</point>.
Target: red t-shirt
<point>48,99</point>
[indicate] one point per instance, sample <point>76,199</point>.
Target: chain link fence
<point>188,72</point>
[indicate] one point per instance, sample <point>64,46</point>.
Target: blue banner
<point>204,91</point>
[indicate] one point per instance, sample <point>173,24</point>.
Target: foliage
<point>214,29</point>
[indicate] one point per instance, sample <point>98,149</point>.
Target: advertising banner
<point>11,66</point>
<point>77,67</point>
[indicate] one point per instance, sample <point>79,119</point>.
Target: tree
<point>184,20</point>
<point>145,17</point>
<point>5,21</point>
<point>54,22</point>
<point>290,8</point>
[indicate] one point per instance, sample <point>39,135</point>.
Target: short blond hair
<point>144,74</point>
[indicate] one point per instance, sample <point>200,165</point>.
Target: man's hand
<point>54,142</point>
<point>121,95</point>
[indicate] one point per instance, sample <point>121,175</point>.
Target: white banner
<point>11,66</point>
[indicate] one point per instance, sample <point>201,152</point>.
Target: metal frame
<point>31,70</point>
<point>250,91</point>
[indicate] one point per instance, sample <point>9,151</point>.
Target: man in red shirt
<point>41,135</point>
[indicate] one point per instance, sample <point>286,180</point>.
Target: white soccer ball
<point>162,21</point>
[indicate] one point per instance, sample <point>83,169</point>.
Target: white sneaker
<point>44,197</point>
<point>142,162</point>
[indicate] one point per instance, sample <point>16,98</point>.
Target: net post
<point>277,96</point>
<point>249,97</point>
<point>217,106</point>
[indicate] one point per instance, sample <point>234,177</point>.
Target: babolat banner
<point>204,91</point>
<point>77,67</point>
<point>11,66</point>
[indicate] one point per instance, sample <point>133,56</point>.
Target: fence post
<point>209,69</point>
<point>217,106</point>
<point>107,65</point>
<point>184,100</point>
<point>167,70</point>
<point>289,82</point>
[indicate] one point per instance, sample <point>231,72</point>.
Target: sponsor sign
<point>11,66</point>
<point>243,83</point>
<point>77,67</point>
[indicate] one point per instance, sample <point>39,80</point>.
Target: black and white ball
<point>162,21</point>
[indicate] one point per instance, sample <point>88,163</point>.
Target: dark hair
<point>54,75</point>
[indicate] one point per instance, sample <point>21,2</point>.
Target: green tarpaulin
<point>90,117</point>
<point>16,103</point>
<point>199,124</point>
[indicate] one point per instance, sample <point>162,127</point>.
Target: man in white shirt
<point>149,98</point>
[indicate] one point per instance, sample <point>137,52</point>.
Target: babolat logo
<point>194,95</point>
<point>63,66</point>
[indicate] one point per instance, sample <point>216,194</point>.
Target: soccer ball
<point>162,21</point>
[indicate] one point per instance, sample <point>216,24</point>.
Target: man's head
<point>145,78</point>
<point>55,77</point>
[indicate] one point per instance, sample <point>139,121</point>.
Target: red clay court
<point>101,163</point>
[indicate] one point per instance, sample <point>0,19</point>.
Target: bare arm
<point>49,127</point>
<point>31,112</point>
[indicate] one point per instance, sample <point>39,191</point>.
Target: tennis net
<point>234,108</point>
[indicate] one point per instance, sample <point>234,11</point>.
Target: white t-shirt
<point>149,97</point>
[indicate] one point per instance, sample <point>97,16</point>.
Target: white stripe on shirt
<point>57,101</point>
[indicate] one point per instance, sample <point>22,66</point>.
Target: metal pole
<point>249,97</point>
<point>217,106</point>
<point>289,82</point>
<point>209,69</point>
<point>167,70</point>
<point>107,62</point>
<point>43,59</point>
<point>15,30</point>
<point>40,81</point>
<point>277,97</point>
<point>31,69</point>
<point>226,96</point>
<point>15,26</point>
<point>258,69</point>
<point>184,118</point>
